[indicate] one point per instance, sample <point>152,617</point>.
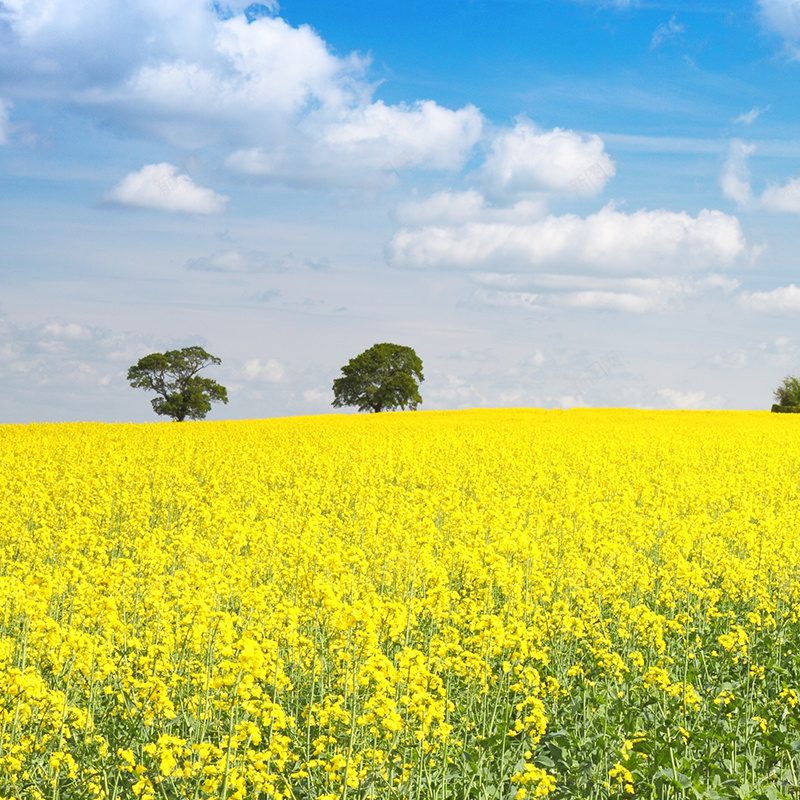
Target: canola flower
<point>484,604</point>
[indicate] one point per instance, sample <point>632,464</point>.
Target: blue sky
<point>555,203</point>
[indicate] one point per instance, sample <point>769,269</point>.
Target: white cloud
<point>59,356</point>
<point>527,301</point>
<point>444,207</point>
<point>611,301</point>
<point>67,331</point>
<point>252,10</point>
<point>301,114</point>
<point>633,295</point>
<point>252,261</point>
<point>665,31</point>
<point>568,401</point>
<point>254,82</point>
<point>608,241</point>
<point>782,17</point>
<point>5,128</point>
<point>318,396</point>
<point>58,47</point>
<point>527,159</point>
<point>783,198</point>
<point>164,187</point>
<point>783,300</point>
<point>369,149</point>
<point>731,359</point>
<point>735,176</point>
<point>272,371</point>
<point>451,391</point>
<point>427,134</point>
<point>689,400</point>
<point>736,184</point>
<point>749,117</point>
<point>289,108</point>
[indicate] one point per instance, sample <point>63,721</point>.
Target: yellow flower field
<point>484,604</point>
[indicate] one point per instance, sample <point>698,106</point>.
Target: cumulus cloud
<point>232,75</point>
<point>369,149</point>
<point>665,31</point>
<point>782,198</point>
<point>780,301</point>
<point>609,241</point>
<point>418,130</point>
<point>736,184</point>
<point>527,159</point>
<point>258,78</point>
<point>61,47</point>
<point>164,187</point>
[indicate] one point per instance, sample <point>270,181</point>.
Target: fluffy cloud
<point>736,184</point>
<point>164,187</point>
<point>199,75</point>
<point>257,80</point>
<point>783,197</point>
<point>783,300</point>
<point>608,241</point>
<point>61,47</point>
<point>369,148</point>
<point>527,159</point>
<point>425,133</point>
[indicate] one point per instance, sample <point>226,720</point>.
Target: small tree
<point>788,396</point>
<point>173,375</point>
<point>380,379</point>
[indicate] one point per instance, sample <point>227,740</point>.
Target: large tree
<point>181,391</point>
<point>788,396</point>
<point>382,378</point>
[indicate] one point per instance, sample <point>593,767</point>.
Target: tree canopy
<point>788,396</point>
<point>181,391</point>
<point>382,378</point>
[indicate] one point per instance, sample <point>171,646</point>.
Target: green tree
<point>380,379</point>
<point>788,396</point>
<point>173,375</point>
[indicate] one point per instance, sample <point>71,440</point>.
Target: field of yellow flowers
<point>443,605</point>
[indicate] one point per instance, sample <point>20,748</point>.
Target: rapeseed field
<point>484,604</point>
